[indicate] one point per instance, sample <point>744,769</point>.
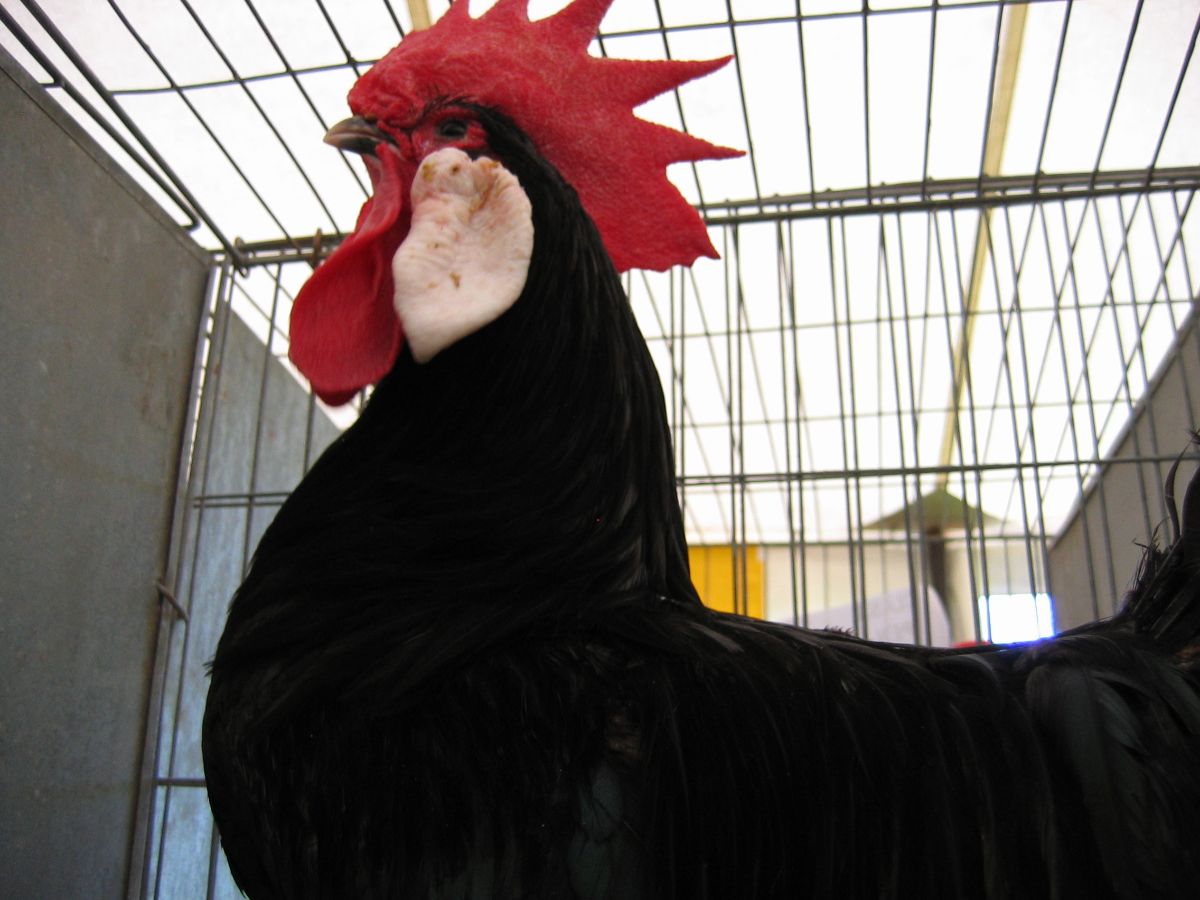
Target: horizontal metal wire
<point>909,197</point>
<point>276,498</point>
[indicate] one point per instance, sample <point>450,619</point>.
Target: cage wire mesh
<point>936,378</point>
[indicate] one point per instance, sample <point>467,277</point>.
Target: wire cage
<point>930,392</point>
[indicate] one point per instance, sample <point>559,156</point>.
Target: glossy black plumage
<point>468,662</point>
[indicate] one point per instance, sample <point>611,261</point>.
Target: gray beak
<point>357,135</point>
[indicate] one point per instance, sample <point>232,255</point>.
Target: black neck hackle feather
<point>468,662</point>
<point>519,472</point>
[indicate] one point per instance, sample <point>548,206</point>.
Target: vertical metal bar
<point>1112,106</point>
<point>1058,58</point>
<point>678,380</point>
<point>731,433</point>
<point>1027,442</point>
<point>683,354</point>
<point>936,238</point>
<point>783,288</point>
<point>857,555</point>
<point>1017,272</point>
<point>1032,399</point>
<point>920,634</point>
<point>264,375</point>
<point>743,339</point>
<point>741,83</point>
<point>933,20</point>
<point>668,330</point>
<point>747,359</point>
<point>943,588</point>
<point>251,500</point>
<point>1164,262</point>
<point>310,420</point>
<point>980,523</point>
<point>759,385</point>
<point>675,352</point>
<point>999,107</point>
<point>1006,54</point>
<point>1006,369</point>
<point>799,424</point>
<point>1109,301</point>
<point>167,619</point>
<point>885,279</point>
<point>1085,380</point>
<point>214,859</point>
<point>732,371</point>
<point>866,90</point>
<point>812,186</point>
<point>812,178</point>
<point>209,402</point>
<point>800,421</point>
<point>1189,285</point>
<point>710,342</point>
<point>713,353</point>
<point>392,15</point>
<point>662,31</point>
<point>846,464</point>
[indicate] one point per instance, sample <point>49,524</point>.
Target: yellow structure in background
<point>723,586</point>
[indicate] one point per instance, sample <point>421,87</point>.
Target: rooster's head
<point>423,98</point>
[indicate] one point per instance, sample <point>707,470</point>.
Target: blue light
<point>1012,618</point>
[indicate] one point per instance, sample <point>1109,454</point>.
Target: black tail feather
<point>1164,602</point>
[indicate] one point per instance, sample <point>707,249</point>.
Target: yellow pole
<point>1006,78</point>
<point>958,605</point>
<point>418,11</point>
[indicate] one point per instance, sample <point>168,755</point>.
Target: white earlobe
<point>466,256</point>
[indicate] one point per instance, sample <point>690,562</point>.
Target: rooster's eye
<point>452,129</point>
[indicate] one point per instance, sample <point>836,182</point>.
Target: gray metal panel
<point>100,297</point>
<point>1102,545</point>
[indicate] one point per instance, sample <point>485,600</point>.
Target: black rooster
<point>468,662</point>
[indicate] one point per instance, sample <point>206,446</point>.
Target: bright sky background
<point>873,301</point>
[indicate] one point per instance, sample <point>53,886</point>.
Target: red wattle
<point>344,329</point>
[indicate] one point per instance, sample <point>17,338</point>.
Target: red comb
<point>577,109</point>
